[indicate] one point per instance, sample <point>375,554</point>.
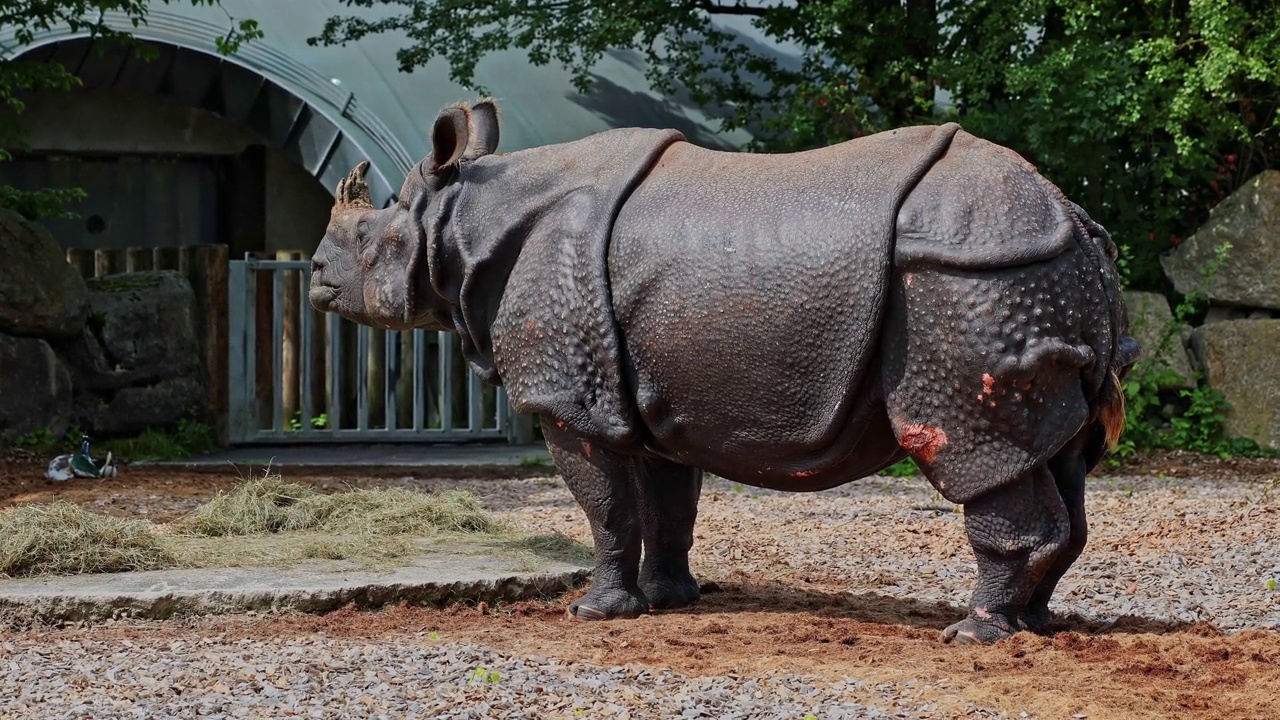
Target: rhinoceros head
<point>371,266</point>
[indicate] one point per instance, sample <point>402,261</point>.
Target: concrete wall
<point>88,122</point>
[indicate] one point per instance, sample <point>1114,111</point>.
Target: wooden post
<point>377,378</point>
<point>319,358</point>
<point>208,276</point>
<point>166,258</point>
<point>404,384</point>
<point>105,262</point>
<point>137,259</point>
<point>290,367</point>
<point>82,260</point>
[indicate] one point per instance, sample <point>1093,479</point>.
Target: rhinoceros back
<point>749,291</point>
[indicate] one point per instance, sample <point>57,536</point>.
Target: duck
<point>80,464</point>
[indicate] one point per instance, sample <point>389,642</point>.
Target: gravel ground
<point>1164,553</point>
<point>1170,551</point>
<point>318,678</point>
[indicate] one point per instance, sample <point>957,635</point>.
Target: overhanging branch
<point>737,8</point>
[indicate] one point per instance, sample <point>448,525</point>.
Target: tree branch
<point>715,8</point>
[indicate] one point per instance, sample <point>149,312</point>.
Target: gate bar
<point>419,378</point>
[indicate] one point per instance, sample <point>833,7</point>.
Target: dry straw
<point>261,521</point>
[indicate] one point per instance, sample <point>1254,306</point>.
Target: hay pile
<point>65,539</point>
<point>270,505</point>
<point>263,520</point>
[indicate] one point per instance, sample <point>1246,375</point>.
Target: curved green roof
<point>366,107</point>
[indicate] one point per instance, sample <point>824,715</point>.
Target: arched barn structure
<point>239,156</point>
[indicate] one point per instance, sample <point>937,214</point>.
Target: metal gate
<point>300,375</point>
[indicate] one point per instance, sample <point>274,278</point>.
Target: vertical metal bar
<point>240,345</point>
<point>446,386</point>
<point>419,381</point>
<point>277,351</point>
<point>362,377</point>
<point>500,411</point>
<point>390,375</point>
<point>305,317</point>
<point>335,372</point>
<point>475,400</point>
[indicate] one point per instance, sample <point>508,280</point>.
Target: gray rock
<point>1249,219</point>
<point>35,388</point>
<point>1162,349</point>
<point>1240,360</point>
<point>1218,313</point>
<point>137,363</point>
<point>41,294</point>
<point>131,410</point>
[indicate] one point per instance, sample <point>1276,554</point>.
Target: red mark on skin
<point>982,613</point>
<point>586,448</point>
<point>560,424</point>
<point>908,278</point>
<point>804,473</point>
<point>988,384</point>
<point>923,441</point>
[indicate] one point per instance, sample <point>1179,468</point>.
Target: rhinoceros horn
<point>353,191</point>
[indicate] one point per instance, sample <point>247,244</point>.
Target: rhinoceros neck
<point>519,252</point>
<point>482,225</point>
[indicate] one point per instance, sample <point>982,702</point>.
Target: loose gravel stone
<point>316,677</point>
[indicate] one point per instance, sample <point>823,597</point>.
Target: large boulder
<point>35,389</point>
<point>1240,360</point>
<point>1249,219</point>
<point>137,364</point>
<point>1151,324</point>
<point>41,294</point>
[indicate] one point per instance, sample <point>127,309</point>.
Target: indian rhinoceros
<point>789,321</point>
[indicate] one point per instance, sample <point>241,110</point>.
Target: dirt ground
<point>753,623</point>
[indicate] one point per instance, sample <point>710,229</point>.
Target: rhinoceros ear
<point>484,129</point>
<point>449,137</point>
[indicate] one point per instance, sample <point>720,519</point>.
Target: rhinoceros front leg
<point>1017,533</point>
<point>668,494</point>
<point>604,484</point>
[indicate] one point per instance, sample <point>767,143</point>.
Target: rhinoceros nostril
<point>316,265</point>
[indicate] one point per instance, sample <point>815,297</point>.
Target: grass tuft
<point>61,538</point>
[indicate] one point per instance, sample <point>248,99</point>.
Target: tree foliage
<point>1146,112</point>
<point>27,19</point>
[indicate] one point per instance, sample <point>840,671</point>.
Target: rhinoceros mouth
<point>322,296</point>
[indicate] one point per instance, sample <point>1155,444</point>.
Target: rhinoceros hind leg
<point>603,483</point>
<point>668,495</point>
<point>1017,533</point>
<point>1069,470</point>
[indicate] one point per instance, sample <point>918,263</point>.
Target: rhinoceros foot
<point>609,604</point>
<point>975,630</point>
<point>668,591</point>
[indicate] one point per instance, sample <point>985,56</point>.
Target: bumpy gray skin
<point>790,321</point>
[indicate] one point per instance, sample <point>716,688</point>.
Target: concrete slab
<point>370,455</point>
<point>446,574</point>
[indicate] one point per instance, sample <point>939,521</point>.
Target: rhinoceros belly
<point>748,291</point>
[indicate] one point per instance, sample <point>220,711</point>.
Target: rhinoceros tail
<point>1111,412</point>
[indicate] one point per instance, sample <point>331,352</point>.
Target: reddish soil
<point>753,626</point>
